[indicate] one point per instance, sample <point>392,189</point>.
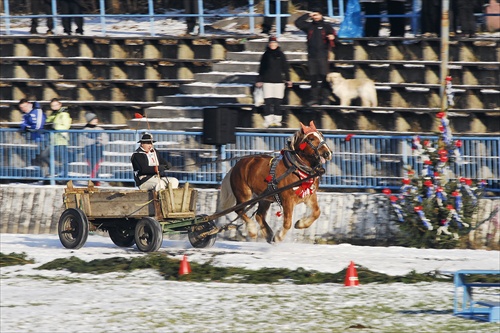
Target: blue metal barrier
<point>333,12</point>
<point>201,16</point>
<point>365,161</point>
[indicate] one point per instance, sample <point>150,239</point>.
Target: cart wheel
<point>148,235</point>
<point>73,228</point>
<point>123,237</point>
<point>202,242</point>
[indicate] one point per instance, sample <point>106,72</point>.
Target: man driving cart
<point>149,167</point>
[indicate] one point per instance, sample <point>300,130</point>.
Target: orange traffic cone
<point>184,268</point>
<point>351,277</point>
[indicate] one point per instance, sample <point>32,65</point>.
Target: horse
<point>253,175</point>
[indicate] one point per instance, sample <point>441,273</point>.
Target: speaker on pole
<point>219,125</point>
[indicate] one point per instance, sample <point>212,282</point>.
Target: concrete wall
<point>350,217</point>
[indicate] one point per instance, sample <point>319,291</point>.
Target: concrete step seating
<point>187,73</point>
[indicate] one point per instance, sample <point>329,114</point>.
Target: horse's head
<point>311,146</point>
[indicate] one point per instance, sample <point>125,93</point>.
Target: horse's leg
<point>251,227</point>
<point>312,204</point>
<point>260,216</point>
<point>287,222</point>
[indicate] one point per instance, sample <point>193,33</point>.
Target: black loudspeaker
<point>219,125</point>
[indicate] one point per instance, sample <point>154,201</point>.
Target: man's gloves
<point>164,167</point>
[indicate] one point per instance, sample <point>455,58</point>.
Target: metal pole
<point>151,11</point>
<point>445,38</point>
<point>102,12</point>
<point>54,15</point>
<point>201,20</point>
<point>7,16</point>
<point>278,18</point>
<point>251,6</point>
<point>330,7</point>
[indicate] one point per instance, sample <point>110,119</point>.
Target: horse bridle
<point>316,149</point>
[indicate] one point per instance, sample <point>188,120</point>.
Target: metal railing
<point>335,11</point>
<point>151,15</point>
<point>364,161</point>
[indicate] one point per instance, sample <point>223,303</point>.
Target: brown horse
<point>254,175</point>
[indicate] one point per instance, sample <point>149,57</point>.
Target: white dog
<point>348,89</point>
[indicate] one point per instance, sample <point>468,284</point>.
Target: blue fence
<point>335,9</point>
<point>364,161</point>
<point>151,15</point>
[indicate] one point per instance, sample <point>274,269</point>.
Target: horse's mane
<point>297,137</point>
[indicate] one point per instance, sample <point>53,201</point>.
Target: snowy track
<point>142,301</point>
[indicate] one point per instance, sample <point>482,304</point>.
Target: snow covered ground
<point>142,301</point>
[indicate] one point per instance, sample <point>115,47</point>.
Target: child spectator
<point>93,143</point>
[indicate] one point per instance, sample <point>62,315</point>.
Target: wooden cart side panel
<point>121,204</point>
<point>176,203</point>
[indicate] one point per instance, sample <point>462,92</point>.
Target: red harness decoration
<point>307,187</point>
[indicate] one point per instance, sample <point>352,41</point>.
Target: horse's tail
<point>226,197</point>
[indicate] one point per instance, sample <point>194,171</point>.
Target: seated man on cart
<point>149,167</point>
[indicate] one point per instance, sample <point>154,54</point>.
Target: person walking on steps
<point>149,167</point>
<point>274,73</point>
<point>320,40</point>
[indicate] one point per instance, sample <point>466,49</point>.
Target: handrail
<point>414,15</point>
<point>371,161</point>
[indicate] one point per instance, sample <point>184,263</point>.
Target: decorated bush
<point>435,207</point>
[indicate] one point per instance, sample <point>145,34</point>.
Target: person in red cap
<point>320,40</point>
<point>149,167</point>
<point>274,73</point>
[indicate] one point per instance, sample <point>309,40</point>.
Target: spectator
<point>431,18</point>
<point>396,7</point>
<point>149,167</point>
<point>269,20</point>
<point>41,7</point>
<point>33,119</point>
<point>93,143</point>
<point>59,120</point>
<point>320,40</point>
<point>372,24</point>
<point>273,72</point>
<point>191,7</point>
<point>463,16</point>
<point>72,7</point>
<point>415,20</point>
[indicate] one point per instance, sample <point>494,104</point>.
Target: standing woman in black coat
<point>274,72</point>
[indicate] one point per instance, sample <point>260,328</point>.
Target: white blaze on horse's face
<point>324,155</point>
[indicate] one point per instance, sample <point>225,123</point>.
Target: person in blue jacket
<point>33,119</point>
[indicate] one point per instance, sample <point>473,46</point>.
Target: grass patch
<point>13,259</point>
<point>169,267</point>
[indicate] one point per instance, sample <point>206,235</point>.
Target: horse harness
<point>293,165</point>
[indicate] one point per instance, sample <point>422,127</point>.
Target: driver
<point>149,167</point>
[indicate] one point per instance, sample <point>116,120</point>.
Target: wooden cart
<point>133,216</point>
